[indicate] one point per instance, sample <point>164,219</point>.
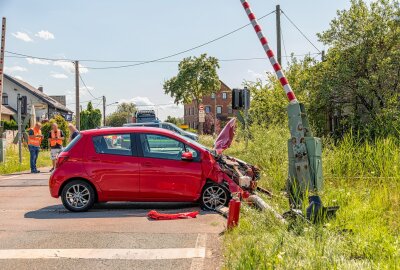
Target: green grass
<point>362,178</point>
<point>12,161</point>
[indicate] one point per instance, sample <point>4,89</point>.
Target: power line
<point>177,61</point>
<point>184,51</point>
<point>87,87</point>
<point>137,63</point>
<point>300,31</point>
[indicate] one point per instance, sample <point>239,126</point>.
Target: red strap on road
<point>153,214</point>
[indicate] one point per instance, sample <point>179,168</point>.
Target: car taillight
<point>61,160</point>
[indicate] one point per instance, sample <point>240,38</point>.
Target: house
<point>45,106</point>
<point>217,106</point>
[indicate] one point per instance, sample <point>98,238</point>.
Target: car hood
<point>225,137</point>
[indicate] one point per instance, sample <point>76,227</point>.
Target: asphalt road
<point>36,232</point>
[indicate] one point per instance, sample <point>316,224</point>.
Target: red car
<point>142,164</point>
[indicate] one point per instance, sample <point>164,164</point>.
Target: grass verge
<point>12,161</point>
<point>362,178</point>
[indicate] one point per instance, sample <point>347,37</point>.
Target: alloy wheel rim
<point>78,196</point>
<point>214,196</point>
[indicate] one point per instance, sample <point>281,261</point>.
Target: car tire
<point>78,196</point>
<point>213,196</point>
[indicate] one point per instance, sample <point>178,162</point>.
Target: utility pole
<point>246,114</point>
<point>2,48</point>
<point>278,34</point>
<point>104,110</point>
<point>77,111</point>
<point>19,113</point>
<point>323,55</point>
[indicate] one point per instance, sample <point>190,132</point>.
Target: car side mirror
<point>188,156</point>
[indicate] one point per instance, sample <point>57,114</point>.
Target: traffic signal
<point>240,99</point>
<point>24,105</point>
<point>236,99</point>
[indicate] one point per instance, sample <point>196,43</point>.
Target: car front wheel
<point>214,196</point>
<point>78,196</point>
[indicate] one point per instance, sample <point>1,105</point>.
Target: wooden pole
<point>278,34</point>
<point>77,111</point>
<point>2,48</point>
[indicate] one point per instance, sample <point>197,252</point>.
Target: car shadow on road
<point>113,210</point>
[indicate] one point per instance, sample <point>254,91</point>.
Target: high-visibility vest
<point>35,141</point>
<point>53,140</point>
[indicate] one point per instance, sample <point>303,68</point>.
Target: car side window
<point>158,146</point>
<point>115,144</point>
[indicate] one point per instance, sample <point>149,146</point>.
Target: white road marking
<point>198,263</point>
<point>104,254</point>
<point>10,177</point>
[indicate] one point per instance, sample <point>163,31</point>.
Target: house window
<point>219,109</point>
<point>224,95</point>
<point>229,109</point>
<point>5,99</point>
<point>208,109</point>
<point>213,95</point>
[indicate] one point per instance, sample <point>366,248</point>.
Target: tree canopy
<point>356,87</point>
<point>197,77</point>
<point>122,115</point>
<point>90,118</point>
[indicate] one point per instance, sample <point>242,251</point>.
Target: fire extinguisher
<point>234,211</point>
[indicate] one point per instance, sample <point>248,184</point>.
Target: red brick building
<point>219,105</point>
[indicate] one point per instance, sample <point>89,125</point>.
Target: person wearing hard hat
<point>56,137</point>
<point>34,140</point>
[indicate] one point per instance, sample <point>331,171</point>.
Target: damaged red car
<point>140,164</point>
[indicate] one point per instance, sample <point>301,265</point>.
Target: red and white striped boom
<point>277,67</point>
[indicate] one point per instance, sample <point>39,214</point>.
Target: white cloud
<point>37,61</point>
<point>14,69</point>
<point>140,102</point>
<point>18,77</point>
<point>69,66</point>
<point>22,36</point>
<point>256,75</point>
<point>162,111</point>
<point>58,75</point>
<point>44,34</point>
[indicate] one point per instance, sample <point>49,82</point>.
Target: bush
<point>9,125</point>
<point>62,124</point>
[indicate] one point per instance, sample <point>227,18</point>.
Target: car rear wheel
<point>78,196</point>
<point>214,196</point>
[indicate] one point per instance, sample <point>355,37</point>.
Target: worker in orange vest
<point>56,138</point>
<point>34,140</point>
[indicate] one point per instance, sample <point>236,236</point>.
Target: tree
<point>122,115</point>
<point>174,120</point>
<point>197,77</point>
<point>362,71</point>
<point>90,118</point>
<point>357,87</point>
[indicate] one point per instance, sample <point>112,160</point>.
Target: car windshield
<point>199,145</point>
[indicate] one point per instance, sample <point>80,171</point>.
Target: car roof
<point>135,129</point>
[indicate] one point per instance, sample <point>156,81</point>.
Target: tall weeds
<point>363,178</point>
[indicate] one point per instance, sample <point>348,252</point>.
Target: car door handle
<point>147,164</point>
<point>94,159</point>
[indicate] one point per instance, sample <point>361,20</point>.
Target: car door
<point>113,165</point>
<point>164,176</point>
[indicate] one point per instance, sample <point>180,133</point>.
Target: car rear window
<point>72,143</point>
<point>115,144</point>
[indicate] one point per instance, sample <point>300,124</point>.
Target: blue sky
<point>145,30</point>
